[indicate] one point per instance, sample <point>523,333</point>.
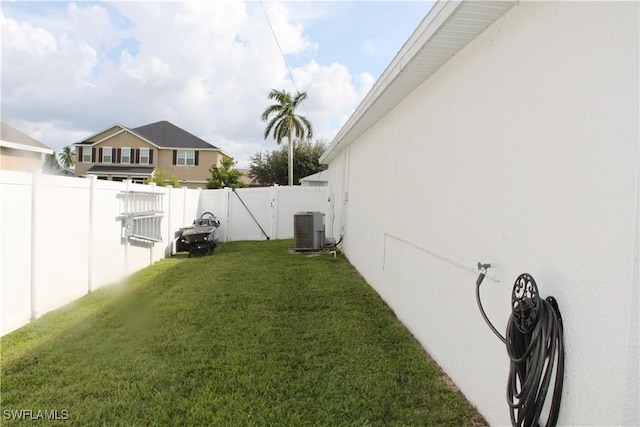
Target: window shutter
<point>150,156</point>
<point>137,155</point>
<point>175,157</point>
<point>79,154</point>
<point>197,155</point>
<point>93,155</point>
<point>118,154</point>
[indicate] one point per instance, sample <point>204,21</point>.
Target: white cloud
<point>205,66</point>
<point>23,37</point>
<point>332,94</point>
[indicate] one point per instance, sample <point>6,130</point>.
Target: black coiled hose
<point>534,342</point>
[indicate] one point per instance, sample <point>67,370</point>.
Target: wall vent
<point>308,231</point>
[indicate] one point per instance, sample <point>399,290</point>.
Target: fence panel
<point>250,213</point>
<point>62,237</point>
<point>291,200</point>
<point>272,207</point>
<point>15,248</point>
<point>108,262</point>
<point>217,202</point>
<point>61,241</point>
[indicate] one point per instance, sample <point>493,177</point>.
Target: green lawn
<point>252,335</point>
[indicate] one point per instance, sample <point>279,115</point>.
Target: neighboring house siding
<point>199,173</point>
<point>116,144</point>
<point>104,134</point>
<point>19,160</point>
<point>115,141</point>
<point>521,150</point>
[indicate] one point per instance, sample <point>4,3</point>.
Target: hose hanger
<point>534,342</point>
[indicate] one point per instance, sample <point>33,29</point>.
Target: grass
<point>253,335</point>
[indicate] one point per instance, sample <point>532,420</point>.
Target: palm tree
<point>51,162</point>
<point>67,157</point>
<point>285,122</point>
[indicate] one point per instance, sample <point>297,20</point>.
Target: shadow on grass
<point>250,335</point>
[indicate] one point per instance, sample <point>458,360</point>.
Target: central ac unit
<point>308,231</point>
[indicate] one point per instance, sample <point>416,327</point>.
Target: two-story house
<point>119,153</point>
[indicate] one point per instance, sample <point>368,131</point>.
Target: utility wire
<point>293,80</point>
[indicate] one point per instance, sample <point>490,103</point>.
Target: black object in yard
<point>201,237</point>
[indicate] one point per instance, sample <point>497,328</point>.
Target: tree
<point>224,175</point>
<point>51,162</point>
<point>160,179</point>
<point>67,157</point>
<point>285,122</point>
<point>271,167</point>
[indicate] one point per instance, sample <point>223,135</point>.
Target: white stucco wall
<point>522,150</point>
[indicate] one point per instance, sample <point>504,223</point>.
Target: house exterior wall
<point>189,176</point>
<point>121,140</point>
<point>522,151</point>
<point>19,160</point>
<point>106,133</point>
<point>194,176</point>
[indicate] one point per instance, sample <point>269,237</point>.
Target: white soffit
<point>448,27</point>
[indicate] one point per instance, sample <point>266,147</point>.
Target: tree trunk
<point>290,160</point>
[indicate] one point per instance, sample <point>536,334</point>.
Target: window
<point>86,155</point>
<point>125,155</point>
<point>138,179</point>
<point>186,158</point>
<point>107,155</point>
<point>144,156</point>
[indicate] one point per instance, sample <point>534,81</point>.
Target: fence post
<point>184,206</point>
<point>275,201</point>
<point>92,206</point>
<point>126,238</point>
<point>228,193</point>
<point>35,184</point>
<point>169,236</point>
<point>152,244</point>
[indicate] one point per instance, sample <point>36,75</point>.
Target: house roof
<point>11,137</point>
<point>321,176</point>
<point>167,135</point>
<point>121,170</point>
<point>162,134</point>
<point>448,27</point>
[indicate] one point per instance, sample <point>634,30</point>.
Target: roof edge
<point>439,18</point>
<point>24,147</point>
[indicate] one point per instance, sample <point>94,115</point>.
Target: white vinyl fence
<point>63,237</point>
<point>258,213</point>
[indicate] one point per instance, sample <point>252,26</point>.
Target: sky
<point>72,69</point>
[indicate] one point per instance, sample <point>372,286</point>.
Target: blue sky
<point>70,69</point>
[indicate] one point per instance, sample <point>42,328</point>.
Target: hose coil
<point>534,341</point>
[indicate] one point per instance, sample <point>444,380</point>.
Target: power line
<point>293,80</point>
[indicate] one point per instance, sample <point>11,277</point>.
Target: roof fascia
<point>401,76</point>
<point>98,133</point>
<point>24,147</point>
<point>132,132</point>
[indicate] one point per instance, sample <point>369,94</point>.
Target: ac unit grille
<point>308,231</point>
